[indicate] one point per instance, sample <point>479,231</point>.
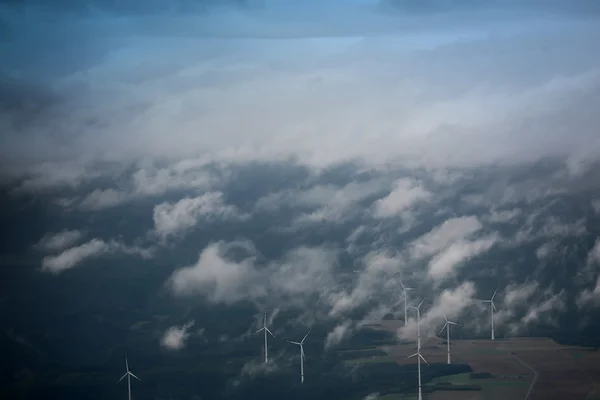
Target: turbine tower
<point>418,353</point>
<point>492,309</point>
<point>447,326</point>
<point>301,343</point>
<point>266,330</point>
<point>128,374</point>
<point>405,291</point>
<point>418,308</point>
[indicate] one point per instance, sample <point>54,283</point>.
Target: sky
<point>451,144</point>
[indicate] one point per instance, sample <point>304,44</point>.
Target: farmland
<point>517,367</point>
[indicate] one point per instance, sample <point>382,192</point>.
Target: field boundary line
<point>535,374</point>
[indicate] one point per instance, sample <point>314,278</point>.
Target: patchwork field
<point>521,368</point>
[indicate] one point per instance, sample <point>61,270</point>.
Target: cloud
<point>214,276</point>
<point>444,263</point>
<point>343,82</point>
<point>594,254</point>
<point>503,216</point>
<point>339,333</point>
<point>378,275</point>
<point>59,241</point>
<point>406,192</point>
<point>329,203</point>
<point>450,303</point>
<point>527,303</point>
<point>172,219</point>
<point>254,368</point>
<point>590,297</point>
<point>74,256</point>
<point>175,337</point>
<point>450,231</point>
<point>101,199</point>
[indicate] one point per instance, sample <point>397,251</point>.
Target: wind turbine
<point>492,309</point>
<point>418,308</point>
<point>405,291</point>
<point>418,353</point>
<point>301,343</point>
<point>447,326</point>
<point>128,374</point>
<point>264,328</point>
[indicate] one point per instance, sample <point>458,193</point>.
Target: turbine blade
<point>402,284</point>
<point>452,323</point>
<point>302,351</point>
<point>126,363</point>
<point>411,356</point>
<point>446,318</point>
<point>445,325</point>
<point>304,338</point>
<point>494,295</point>
<point>131,373</point>
<point>420,304</point>
<point>422,358</point>
<point>493,306</point>
<point>260,330</point>
<point>289,341</point>
<point>122,377</point>
<point>271,333</point>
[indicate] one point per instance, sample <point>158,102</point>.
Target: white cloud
<point>450,231</point>
<point>594,254</point>
<point>443,264</point>
<point>332,203</point>
<point>101,199</point>
<point>379,275</point>
<point>527,303</point>
<point>60,240</point>
<point>504,216</point>
<point>590,297</point>
<point>74,256</point>
<point>219,279</point>
<point>175,337</point>
<point>450,303</point>
<point>172,219</point>
<point>339,333</point>
<point>405,194</point>
<point>347,83</point>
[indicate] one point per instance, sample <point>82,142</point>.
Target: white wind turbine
<point>301,343</point>
<point>492,309</point>
<point>266,330</point>
<point>418,353</point>
<point>128,374</point>
<point>405,291</point>
<point>447,326</point>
